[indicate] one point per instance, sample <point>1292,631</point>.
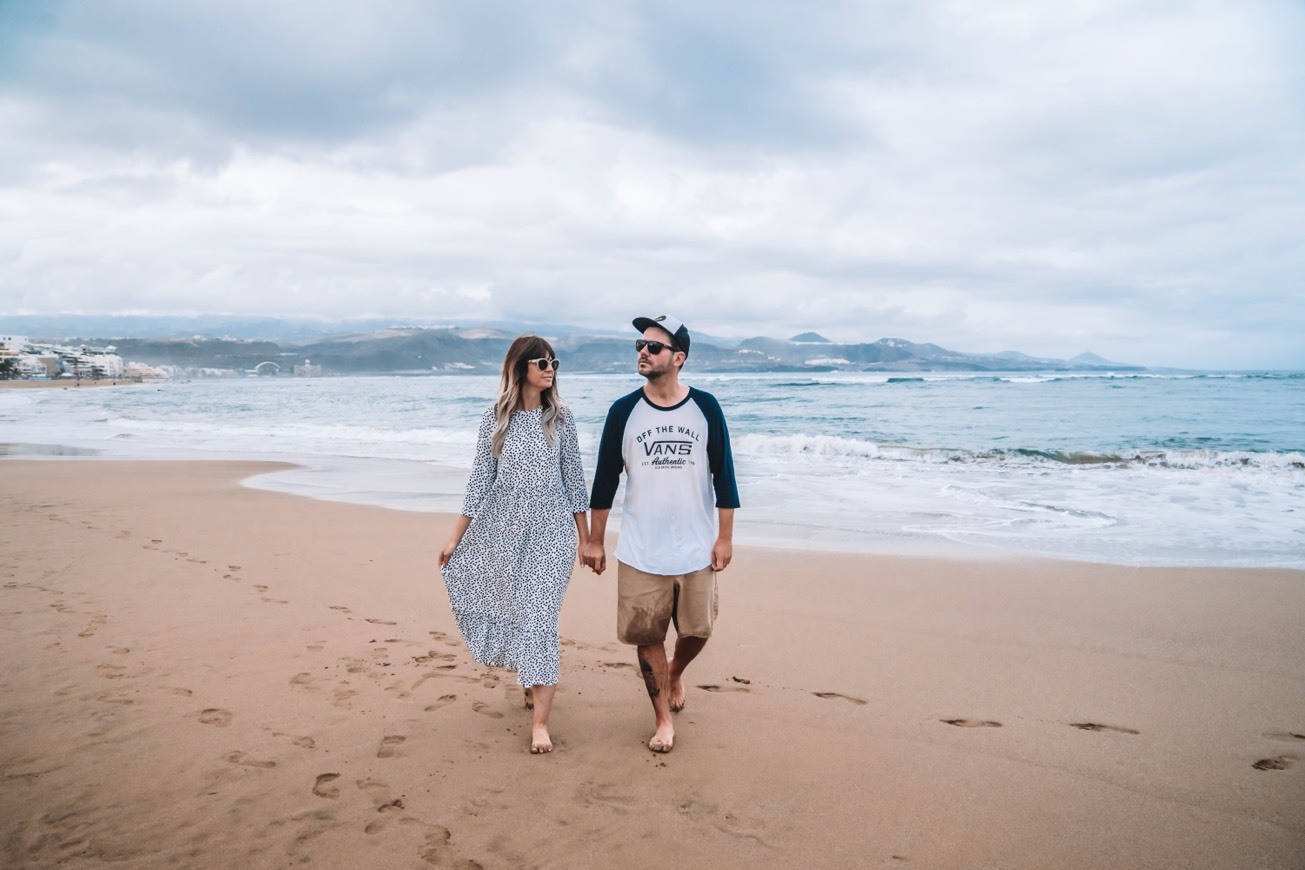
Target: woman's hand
<point>447,552</point>
<point>459,529</point>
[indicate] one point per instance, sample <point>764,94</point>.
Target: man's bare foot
<point>540,742</point>
<point>663,740</point>
<point>675,694</point>
<point>530,699</point>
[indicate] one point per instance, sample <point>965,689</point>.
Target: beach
<point>203,674</point>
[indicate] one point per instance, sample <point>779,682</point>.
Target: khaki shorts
<point>647,603</point>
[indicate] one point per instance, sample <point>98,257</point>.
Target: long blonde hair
<point>523,349</point>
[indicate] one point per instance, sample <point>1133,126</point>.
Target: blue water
<point>1135,469</point>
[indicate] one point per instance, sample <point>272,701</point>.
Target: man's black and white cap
<point>678,330</point>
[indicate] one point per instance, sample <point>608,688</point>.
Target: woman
<point>509,559</point>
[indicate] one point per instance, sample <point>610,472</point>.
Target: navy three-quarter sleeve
<point>607,474</point>
<point>719,455</point>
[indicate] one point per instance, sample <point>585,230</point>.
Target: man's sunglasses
<point>654,347</point>
<point>544,363</point>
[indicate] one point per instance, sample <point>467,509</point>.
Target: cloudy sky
<point>1050,177</point>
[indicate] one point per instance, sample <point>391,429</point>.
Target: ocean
<point>1135,469</point>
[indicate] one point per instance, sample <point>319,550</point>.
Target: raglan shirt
<point>678,468</point>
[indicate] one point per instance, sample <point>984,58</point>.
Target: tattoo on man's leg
<point>649,678</point>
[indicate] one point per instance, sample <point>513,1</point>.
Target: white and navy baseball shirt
<point>678,470</point>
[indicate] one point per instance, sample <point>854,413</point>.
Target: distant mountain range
<point>377,347</point>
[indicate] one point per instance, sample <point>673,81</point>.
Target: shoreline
<point>446,482</point>
<point>203,673</point>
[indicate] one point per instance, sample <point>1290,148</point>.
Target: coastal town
<point>27,360</point>
<point>21,359</point>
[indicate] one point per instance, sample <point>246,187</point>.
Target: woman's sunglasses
<point>544,363</point>
<point>654,347</point>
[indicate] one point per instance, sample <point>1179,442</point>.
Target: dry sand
<point>200,674</point>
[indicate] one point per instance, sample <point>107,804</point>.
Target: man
<point>677,528</point>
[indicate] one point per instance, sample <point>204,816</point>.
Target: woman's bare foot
<point>663,740</point>
<point>540,742</point>
<point>530,699</point>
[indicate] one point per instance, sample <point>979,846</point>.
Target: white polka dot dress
<point>507,577</point>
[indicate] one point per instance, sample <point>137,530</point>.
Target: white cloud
<point>1120,177</point>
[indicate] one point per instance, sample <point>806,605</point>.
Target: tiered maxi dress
<point>509,573</point>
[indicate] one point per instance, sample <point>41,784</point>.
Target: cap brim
<point>642,323</point>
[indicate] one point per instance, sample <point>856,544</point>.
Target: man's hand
<point>721,554</point>
<point>593,555</point>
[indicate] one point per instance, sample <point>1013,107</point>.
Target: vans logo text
<point>668,448</point>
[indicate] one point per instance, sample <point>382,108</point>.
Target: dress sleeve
<point>573,472</point>
<point>483,468</point>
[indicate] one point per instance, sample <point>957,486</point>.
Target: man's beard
<point>652,373</point>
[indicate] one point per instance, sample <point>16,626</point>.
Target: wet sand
<point>201,674</point>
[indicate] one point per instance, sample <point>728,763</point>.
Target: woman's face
<point>537,379</point>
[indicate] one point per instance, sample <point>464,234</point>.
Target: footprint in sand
<point>438,849</point>
<point>1281,762</point>
<point>712,687</point>
<point>605,793</point>
<point>275,600</point>
<point>111,700</point>
<point>302,679</point>
<point>380,794</point>
<point>1287,736</point>
<point>342,696</point>
<point>119,650</point>
<point>323,788</point>
<point>245,761</point>
<point>316,647</point>
<point>484,709</point>
<point>89,630</point>
<point>177,690</point>
<point>1096,726</point>
<point>444,701</point>
<point>302,742</point>
<point>971,723</point>
<point>233,567</point>
<point>434,656</point>
<point>388,744</point>
<point>618,665</point>
<point>437,845</point>
<point>216,716</point>
<point>381,622</point>
<point>829,696</point>
<point>341,608</point>
<point>260,587</point>
<point>111,672</point>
